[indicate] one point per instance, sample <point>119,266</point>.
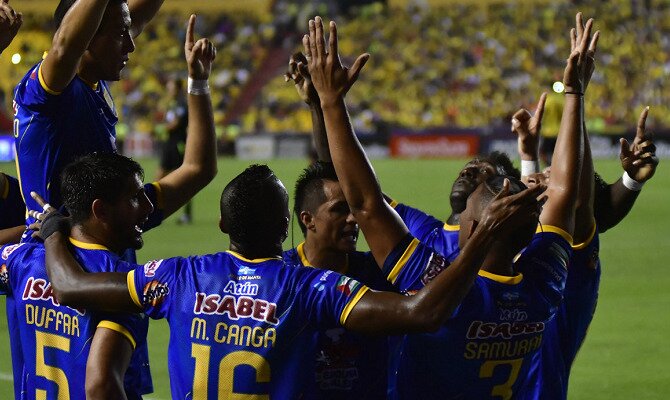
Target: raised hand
<point>581,62</point>
<point>330,78</point>
<point>199,55</point>
<point>527,127</point>
<point>639,158</point>
<point>10,23</point>
<point>302,81</point>
<point>47,221</point>
<point>506,213</point>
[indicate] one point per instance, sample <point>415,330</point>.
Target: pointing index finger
<point>190,39</point>
<point>641,124</point>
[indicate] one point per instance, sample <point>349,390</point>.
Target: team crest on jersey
<point>246,271</point>
<point>7,251</point>
<point>436,264</point>
<point>347,285</point>
<point>151,267</point>
<point>4,276</point>
<point>154,293</point>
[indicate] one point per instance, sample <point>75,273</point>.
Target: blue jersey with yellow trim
<point>55,340</point>
<point>430,231</point>
<point>565,334</point>
<point>491,343</point>
<point>12,208</point>
<point>347,364</point>
<point>53,129</point>
<point>236,325</point>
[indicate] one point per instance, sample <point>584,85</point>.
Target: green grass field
<point>625,355</point>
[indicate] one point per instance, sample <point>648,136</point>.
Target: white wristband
<point>630,183</point>
<point>198,87</point>
<point>529,167</point>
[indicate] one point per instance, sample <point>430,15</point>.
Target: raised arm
<point>563,190</point>
<point>639,162</point>
<point>10,23</point>
<point>306,91</point>
<point>141,12</point>
<point>382,312</point>
<point>199,165</point>
<point>382,227</point>
<point>527,128</point>
<point>71,40</point>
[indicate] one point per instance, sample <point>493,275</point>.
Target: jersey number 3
<point>504,390</point>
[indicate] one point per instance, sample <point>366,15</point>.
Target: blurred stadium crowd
<point>461,65</point>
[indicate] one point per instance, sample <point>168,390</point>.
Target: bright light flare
<point>16,58</point>
<point>558,87</point>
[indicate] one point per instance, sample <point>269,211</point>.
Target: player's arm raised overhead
<point>527,127</point>
<point>639,162</point>
<point>306,91</point>
<point>199,165</point>
<point>141,12</point>
<point>559,210</point>
<point>71,40</point>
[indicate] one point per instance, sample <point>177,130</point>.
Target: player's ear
<point>99,210</point>
<point>307,219</point>
<point>222,226</point>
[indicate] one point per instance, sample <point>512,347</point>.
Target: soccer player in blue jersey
<point>347,365</point>
<point>494,336</point>
<point>63,108</point>
<point>172,192</point>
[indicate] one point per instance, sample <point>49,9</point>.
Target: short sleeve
<point>7,256</point>
<point>412,265</point>
<point>420,224</point>
<point>153,191</point>
<point>151,285</point>
<point>128,325</point>
<point>544,262</point>
<point>327,297</point>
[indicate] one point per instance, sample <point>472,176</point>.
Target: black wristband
<point>54,222</point>
<point>577,93</point>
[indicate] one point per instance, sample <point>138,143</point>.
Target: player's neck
<point>87,75</point>
<point>323,257</point>
<point>256,252</point>
<point>454,219</point>
<point>86,234</point>
<point>499,261</point>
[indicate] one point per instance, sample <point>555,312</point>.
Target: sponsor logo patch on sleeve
<point>154,293</point>
<point>436,264</point>
<point>151,267</point>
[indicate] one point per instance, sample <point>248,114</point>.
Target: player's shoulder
<point>11,252</point>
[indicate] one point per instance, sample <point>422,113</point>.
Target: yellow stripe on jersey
<point>255,261</point>
<point>352,303</point>
<point>118,328</point>
<point>87,246</point>
<point>130,280</point>
<point>44,84</point>
<point>451,228</point>
<point>554,229</point>
<point>592,234</point>
<point>507,280</point>
<point>403,260</point>
<point>301,253</point>
<point>393,203</point>
<point>159,195</point>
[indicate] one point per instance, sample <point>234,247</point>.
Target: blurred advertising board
<point>434,145</point>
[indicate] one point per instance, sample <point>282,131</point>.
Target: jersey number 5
<point>43,341</point>
<point>227,366</point>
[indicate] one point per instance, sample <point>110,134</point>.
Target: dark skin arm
<point>106,366</point>
<point>141,12</point>
<point>10,23</point>
<point>11,235</point>
<point>563,191</point>
<point>639,160</point>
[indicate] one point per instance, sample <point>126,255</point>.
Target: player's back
<point>55,340</point>
<point>53,129</point>
<point>240,326</point>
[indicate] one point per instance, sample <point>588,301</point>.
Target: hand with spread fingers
<point>639,159</point>
<point>302,81</point>
<point>507,213</point>
<point>330,78</point>
<point>527,127</point>
<point>48,221</point>
<point>581,62</point>
<point>199,54</point>
<point>10,23</point>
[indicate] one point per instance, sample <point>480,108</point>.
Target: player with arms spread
<point>480,351</point>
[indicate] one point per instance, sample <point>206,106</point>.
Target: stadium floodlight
<point>558,87</point>
<point>16,58</point>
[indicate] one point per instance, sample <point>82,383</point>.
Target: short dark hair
<point>309,194</point>
<point>254,206</point>
<point>65,5</point>
<point>96,176</point>
<point>495,183</point>
<point>502,163</point>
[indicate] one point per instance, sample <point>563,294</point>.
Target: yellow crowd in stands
<point>459,65</point>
